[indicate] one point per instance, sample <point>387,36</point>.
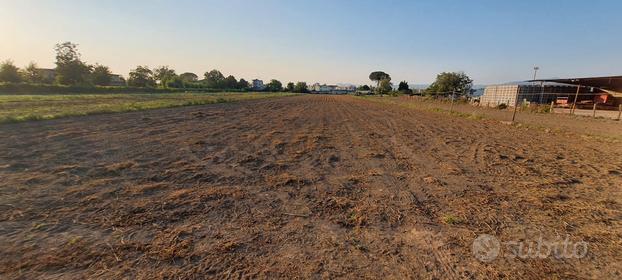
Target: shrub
<point>406,92</point>
<point>539,108</point>
<point>175,82</point>
<point>9,72</point>
<point>451,219</point>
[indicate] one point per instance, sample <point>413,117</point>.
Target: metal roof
<point>537,83</point>
<point>611,83</point>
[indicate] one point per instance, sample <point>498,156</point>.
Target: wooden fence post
<point>515,107</point>
<point>619,111</point>
<point>594,110</point>
<point>451,108</point>
<point>574,103</point>
<point>551,109</point>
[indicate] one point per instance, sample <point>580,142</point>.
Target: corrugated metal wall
<point>506,94</point>
<point>501,94</point>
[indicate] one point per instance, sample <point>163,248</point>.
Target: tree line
<point>455,83</point>
<point>276,85</point>
<point>71,70</point>
<point>165,77</point>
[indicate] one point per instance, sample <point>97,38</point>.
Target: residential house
<point>47,75</point>
<point>117,80</point>
<point>258,85</point>
<point>332,89</point>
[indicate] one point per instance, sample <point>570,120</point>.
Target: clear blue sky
<point>327,41</point>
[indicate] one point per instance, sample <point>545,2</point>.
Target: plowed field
<point>307,187</point>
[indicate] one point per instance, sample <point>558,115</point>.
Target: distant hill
<point>418,86</point>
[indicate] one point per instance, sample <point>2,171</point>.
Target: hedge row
<point>19,89</point>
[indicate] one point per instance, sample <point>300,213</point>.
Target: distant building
<point>535,92</point>
<point>327,88</point>
<point>117,80</point>
<point>331,89</point>
<point>346,88</point>
<point>47,75</point>
<point>258,85</point>
<point>315,87</point>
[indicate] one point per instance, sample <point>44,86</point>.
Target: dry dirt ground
<point>561,122</point>
<point>300,187</point>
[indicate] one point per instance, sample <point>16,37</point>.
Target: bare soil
<point>560,122</point>
<point>300,187</point>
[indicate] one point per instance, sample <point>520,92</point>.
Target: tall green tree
<point>9,73</point>
<point>290,87</point>
<point>378,76</point>
<point>274,85</point>
<point>301,87</point>
<point>230,82</point>
<point>214,79</point>
<point>188,77</point>
<point>243,84</point>
<point>403,86</point>
<point>101,75</point>
<point>70,70</point>
<point>384,87</point>
<point>31,74</point>
<point>142,76</point>
<point>451,82</point>
<point>162,74</point>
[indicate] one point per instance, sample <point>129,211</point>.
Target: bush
<point>451,219</point>
<point>539,108</point>
<point>406,92</point>
<point>175,82</point>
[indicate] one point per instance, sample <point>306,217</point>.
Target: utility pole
<point>535,73</point>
